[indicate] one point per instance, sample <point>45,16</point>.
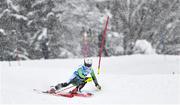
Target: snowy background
<point>50,29</point>
<point>43,41</point>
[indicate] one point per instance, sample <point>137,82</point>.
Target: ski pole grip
<point>98,71</point>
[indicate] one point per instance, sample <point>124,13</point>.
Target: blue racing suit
<point>80,75</point>
<point>79,78</point>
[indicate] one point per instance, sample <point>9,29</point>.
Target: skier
<point>79,78</point>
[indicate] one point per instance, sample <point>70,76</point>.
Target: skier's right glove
<point>98,86</point>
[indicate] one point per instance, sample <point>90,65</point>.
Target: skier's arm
<point>94,78</point>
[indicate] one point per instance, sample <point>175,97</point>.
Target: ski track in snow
<point>137,79</point>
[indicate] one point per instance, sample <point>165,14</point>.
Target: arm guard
<point>94,78</point>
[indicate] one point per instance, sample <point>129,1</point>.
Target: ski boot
<point>52,91</point>
<point>77,89</point>
<point>74,91</point>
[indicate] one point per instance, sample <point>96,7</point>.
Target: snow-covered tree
<point>146,19</point>
<point>143,47</point>
<point>35,29</point>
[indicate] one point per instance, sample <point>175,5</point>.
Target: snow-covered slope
<point>133,79</point>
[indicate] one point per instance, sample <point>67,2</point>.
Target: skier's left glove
<point>98,86</point>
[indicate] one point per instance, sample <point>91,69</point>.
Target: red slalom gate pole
<point>102,44</point>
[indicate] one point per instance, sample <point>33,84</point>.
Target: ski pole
<point>66,89</point>
<point>88,80</point>
<point>102,44</point>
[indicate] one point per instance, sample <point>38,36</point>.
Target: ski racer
<point>79,78</point>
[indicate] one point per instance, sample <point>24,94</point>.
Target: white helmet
<point>88,62</point>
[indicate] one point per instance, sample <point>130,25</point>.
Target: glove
<point>88,79</point>
<point>98,86</point>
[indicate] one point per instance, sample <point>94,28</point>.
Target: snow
<point>50,14</point>
<point>1,83</point>
<point>136,79</point>
<point>38,2</point>
<point>12,5</point>
<point>143,46</point>
<point>115,34</point>
<point>100,0</point>
<point>43,34</point>
<point>65,53</point>
<point>29,22</point>
<point>108,13</point>
<point>169,25</point>
<point>19,17</point>
<point>5,11</point>
<point>2,31</point>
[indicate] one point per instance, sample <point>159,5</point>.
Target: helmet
<point>88,62</point>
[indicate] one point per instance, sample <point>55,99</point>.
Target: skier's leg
<point>62,85</point>
<point>81,86</point>
<point>78,88</point>
<point>84,83</point>
<point>77,82</point>
<point>57,87</point>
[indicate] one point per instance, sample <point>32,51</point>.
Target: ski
<point>54,94</point>
<point>83,94</point>
<point>65,94</point>
<point>70,95</point>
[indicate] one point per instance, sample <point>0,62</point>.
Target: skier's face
<point>87,67</point>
